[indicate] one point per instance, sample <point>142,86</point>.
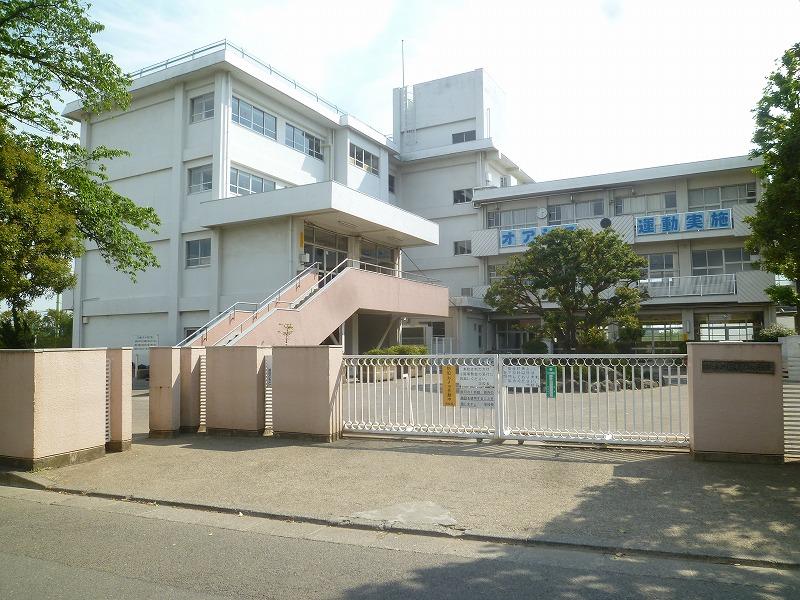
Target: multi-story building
<point>687,220</point>
<point>256,178</point>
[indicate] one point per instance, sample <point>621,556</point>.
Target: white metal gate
<point>622,399</point>
<point>108,400</point>
<point>201,361</point>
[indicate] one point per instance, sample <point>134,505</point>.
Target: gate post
<point>121,415</point>
<point>190,387</point>
<point>165,391</point>
<point>306,400</point>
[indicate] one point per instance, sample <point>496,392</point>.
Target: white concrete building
<point>256,178</point>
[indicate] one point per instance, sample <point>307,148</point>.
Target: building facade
<point>255,178</point>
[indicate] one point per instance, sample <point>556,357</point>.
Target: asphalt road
<point>62,546</point>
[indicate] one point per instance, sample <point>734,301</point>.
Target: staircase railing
<point>274,298</point>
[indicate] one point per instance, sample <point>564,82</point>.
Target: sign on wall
<point>550,381</point>
<point>524,236</point>
<point>143,342</point>
<point>685,222</point>
<point>477,386</point>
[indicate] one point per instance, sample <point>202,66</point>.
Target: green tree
<point>590,276</point>
<point>47,52</point>
<point>30,329</point>
<point>776,222</point>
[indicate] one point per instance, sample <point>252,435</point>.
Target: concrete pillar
<point>165,391</point>
<point>354,333</point>
<point>735,401</point>
<point>236,389</point>
<point>305,392</point>
<point>191,357</point>
<point>121,413</point>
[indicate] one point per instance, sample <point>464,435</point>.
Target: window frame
<point>198,116</point>
<point>312,145</point>
<point>199,260</point>
<point>392,184</point>
<point>364,159</point>
<point>250,123</point>
<point>465,193</point>
<point>462,137</point>
<point>265,183</point>
<point>464,245</point>
<point>203,185</point>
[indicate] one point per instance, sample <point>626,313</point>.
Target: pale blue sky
<point>591,86</point>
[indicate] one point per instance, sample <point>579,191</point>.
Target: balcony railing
<point>697,285</point>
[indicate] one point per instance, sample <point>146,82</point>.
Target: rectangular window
<point>200,179</point>
<point>392,184</point>
<point>589,209</point>
<point>560,213</point>
<point>202,108</point>
<point>364,160</point>
<point>247,115</point>
<point>464,136</point>
<point>659,266</point>
<point>717,262</point>
<point>722,197</point>
<point>243,183</point>
<point>494,273</point>
<point>505,181</point>
<point>304,142</point>
<point>462,196</point>
<point>493,217</point>
<point>462,247</point>
<point>198,253</point>
<point>648,204</point>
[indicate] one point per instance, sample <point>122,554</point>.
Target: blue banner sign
<point>510,238</point>
<point>702,220</point>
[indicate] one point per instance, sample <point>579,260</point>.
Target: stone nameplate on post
<point>755,367</point>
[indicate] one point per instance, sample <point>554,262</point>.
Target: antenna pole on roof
<point>403,59</point>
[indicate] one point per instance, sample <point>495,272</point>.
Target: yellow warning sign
<point>449,385</point>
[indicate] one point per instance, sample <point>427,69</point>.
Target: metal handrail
<point>691,285</point>
<point>232,308</point>
<point>274,297</point>
<point>224,45</point>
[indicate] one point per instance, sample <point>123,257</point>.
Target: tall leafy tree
<point>46,54</point>
<point>776,223</point>
<point>589,276</point>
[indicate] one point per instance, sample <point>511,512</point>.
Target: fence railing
<point>611,399</point>
<point>696,285</point>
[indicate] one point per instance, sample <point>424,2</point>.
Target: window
<point>560,213</point>
<point>648,204</point>
<point>659,266</point>
<point>392,184</point>
<point>505,181</point>
<point>364,160</point>
<point>464,136</point>
<point>462,196</point>
<point>187,331</point>
<point>200,179</point>
<point>589,209</point>
<point>494,273</point>
<point>462,247</point>
<point>304,142</point>
<point>198,253</point>
<point>722,197</point>
<point>377,254</point>
<point>514,218</point>
<point>202,108</point>
<point>493,217</point>
<point>720,261</point>
<point>247,115</point>
<point>243,183</point>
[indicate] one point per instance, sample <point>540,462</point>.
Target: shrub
<point>534,346</point>
<point>771,333</point>
<point>400,349</point>
<point>595,341</point>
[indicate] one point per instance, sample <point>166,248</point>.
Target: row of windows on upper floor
<point>718,261</point>
<point>241,182</point>
<point>651,204</point>
<point>258,120</point>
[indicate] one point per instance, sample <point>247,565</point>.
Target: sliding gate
<point>600,398</point>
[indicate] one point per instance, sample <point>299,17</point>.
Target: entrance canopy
<point>333,206</point>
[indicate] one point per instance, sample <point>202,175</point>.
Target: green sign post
<point>550,381</point>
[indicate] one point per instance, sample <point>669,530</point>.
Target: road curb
<point>32,480</point>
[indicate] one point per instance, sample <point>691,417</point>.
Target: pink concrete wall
<point>165,389</point>
<point>738,413</point>
<point>305,390</point>
<point>16,403</point>
<point>235,388</point>
<point>70,401</point>
<point>121,408</point>
<point>190,386</point>
<point>350,291</point>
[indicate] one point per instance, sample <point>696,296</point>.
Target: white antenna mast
<point>403,59</point>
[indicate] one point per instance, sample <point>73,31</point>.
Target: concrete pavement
<point>644,500</point>
<point>64,546</point>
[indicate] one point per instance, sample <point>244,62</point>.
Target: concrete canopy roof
<point>333,206</point>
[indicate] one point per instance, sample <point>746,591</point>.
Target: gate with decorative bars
<point>608,399</point>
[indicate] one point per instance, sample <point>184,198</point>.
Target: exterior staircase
<point>315,305</point>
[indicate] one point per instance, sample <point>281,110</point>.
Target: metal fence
<point>201,363</point>
<point>622,399</point>
<point>108,400</point>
